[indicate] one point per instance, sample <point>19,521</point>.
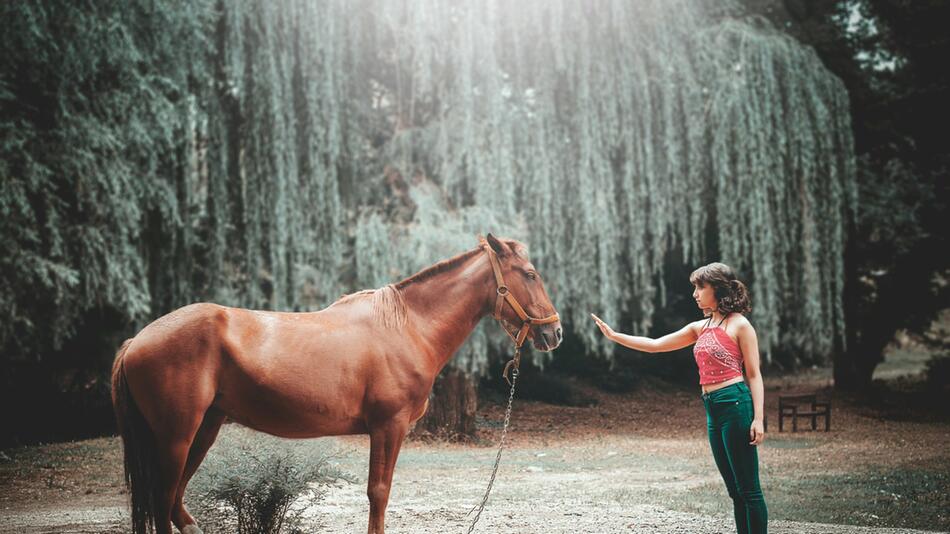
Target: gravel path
<point>538,491</point>
<point>610,485</point>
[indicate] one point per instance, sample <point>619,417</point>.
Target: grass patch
<point>905,498</point>
<point>66,470</point>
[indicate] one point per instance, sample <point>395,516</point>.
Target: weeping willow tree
<point>158,153</point>
<point>630,133</point>
<point>277,154</point>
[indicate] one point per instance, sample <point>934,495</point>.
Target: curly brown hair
<point>731,294</point>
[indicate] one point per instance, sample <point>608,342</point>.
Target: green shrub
<point>253,483</point>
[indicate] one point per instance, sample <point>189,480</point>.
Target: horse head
<point>521,299</point>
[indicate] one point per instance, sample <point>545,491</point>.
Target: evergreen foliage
<point>93,156</point>
<point>890,55</point>
<point>153,154</point>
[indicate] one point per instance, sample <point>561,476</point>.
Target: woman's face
<point>705,298</point>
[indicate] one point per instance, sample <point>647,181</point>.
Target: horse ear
<point>496,245</point>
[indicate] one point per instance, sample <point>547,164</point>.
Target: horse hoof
<point>191,529</point>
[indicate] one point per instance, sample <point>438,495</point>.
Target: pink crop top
<point>718,357</point>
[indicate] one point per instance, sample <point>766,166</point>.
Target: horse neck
<point>445,308</point>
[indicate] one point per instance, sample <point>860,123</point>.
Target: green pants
<point>728,418</point>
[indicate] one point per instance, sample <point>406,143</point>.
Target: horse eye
<point>533,276</point>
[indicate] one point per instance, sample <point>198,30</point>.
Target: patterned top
<point>718,357</point>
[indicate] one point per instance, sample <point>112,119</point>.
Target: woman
<point>725,343</point>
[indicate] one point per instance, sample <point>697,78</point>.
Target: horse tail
<point>141,455</point>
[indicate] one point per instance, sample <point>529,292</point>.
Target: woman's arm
<point>683,337</point>
<point>749,344</point>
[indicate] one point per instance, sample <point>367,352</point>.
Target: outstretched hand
<point>604,328</point>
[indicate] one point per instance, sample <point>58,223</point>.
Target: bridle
<point>526,320</point>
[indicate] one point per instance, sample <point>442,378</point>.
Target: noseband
<point>526,320</point>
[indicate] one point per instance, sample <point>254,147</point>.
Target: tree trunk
<point>451,412</point>
<point>906,296</point>
<point>850,365</point>
<point>854,369</point>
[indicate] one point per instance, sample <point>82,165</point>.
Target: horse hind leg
<point>172,457</point>
<point>207,433</point>
<point>175,419</point>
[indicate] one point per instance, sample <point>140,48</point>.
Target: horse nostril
<point>557,334</point>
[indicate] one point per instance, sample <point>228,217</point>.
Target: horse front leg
<point>385,441</point>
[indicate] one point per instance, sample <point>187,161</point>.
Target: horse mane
<point>389,304</point>
<point>352,296</point>
<point>389,307</point>
<point>439,267</point>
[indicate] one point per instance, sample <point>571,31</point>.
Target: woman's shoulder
<point>741,323</point>
<point>739,319</point>
<point>698,325</point>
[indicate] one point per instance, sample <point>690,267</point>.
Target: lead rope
<point>501,447</point>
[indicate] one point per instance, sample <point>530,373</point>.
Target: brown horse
<point>364,365</point>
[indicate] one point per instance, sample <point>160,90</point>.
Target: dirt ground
<point>622,465</point>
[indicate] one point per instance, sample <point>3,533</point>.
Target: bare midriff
<point>709,388</point>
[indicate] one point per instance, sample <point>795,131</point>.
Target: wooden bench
<point>803,406</point>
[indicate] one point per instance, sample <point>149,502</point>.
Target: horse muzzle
<point>547,337</point>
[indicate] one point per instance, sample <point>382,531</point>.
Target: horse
<point>363,365</point>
